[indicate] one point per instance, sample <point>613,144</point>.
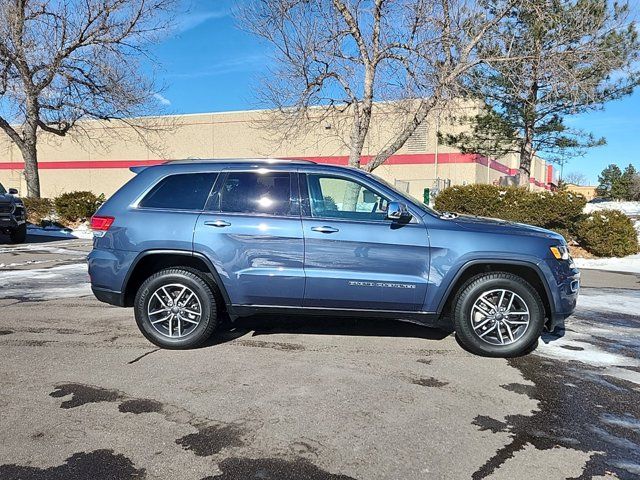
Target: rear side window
<point>187,191</point>
<point>253,192</point>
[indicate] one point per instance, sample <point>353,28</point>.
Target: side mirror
<point>13,191</point>
<point>397,211</point>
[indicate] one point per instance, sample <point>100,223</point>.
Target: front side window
<point>257,193</point>
<point>187,191</point>
<point>2,190</point>
<point>337,197</point>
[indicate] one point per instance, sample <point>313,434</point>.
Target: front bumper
<point>564,282</point>
<point>9,222</point>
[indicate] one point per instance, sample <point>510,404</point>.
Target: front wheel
<point>498,315</point>
<point>175,308</point>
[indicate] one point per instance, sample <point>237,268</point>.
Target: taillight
<point>101,224</point>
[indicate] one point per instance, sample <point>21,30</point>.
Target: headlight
<point>561,252</point>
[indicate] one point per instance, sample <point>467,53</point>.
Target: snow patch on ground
<point>30,262</point>
<point>626,302</point>
<point>629,264</point>
<point>556,348</point>
<point>603,333</point>
<point>82,231</point>
<point>46,283</point>
<point>626,421</point>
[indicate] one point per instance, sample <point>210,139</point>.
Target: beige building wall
<point>588,191</point>
<point>97,155</point>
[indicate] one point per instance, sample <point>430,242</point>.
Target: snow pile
<point>630,208</point>
<point>82,231</point>
<point>630,264</point>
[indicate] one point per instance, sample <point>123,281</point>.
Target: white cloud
<point>163,100</point>
<point>238,64</point>
<point>191,20</point>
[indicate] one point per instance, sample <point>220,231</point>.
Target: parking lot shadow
<point>5,240</point>
<point>316,325</point>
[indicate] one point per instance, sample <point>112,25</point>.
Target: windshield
<point>2,190</point>
<point>406,196</point>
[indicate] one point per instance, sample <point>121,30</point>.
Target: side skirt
<point>430,319</point>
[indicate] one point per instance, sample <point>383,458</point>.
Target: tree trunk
<point>30,148</point>
<point>526,157</point>
<point>355,160</point>
<point>31,174</point>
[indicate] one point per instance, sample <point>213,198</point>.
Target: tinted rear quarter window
<point>188,191</point>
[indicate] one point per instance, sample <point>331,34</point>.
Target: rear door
<point>354,257</point>
<point>252,233</point>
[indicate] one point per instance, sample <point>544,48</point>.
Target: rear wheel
<point>175,308</point>
<point>19,235</point>
<point>498,315</point>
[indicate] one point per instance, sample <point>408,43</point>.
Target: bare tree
<point>576,178</point>
<point>350,56</point>
<point>66,60</point>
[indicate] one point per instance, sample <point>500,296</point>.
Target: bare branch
<point>67,60</point>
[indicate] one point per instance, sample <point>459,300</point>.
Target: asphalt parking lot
<point>84,396</point>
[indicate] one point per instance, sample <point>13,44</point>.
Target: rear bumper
<point>108,269</point>
<point>108,296</point>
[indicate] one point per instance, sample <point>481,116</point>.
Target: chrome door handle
<point>217,223</point>
<point>325,229</point>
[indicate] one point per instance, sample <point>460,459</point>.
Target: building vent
<point>417,142</point>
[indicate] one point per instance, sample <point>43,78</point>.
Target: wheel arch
<point>527,270</point>
<point>151,261</point>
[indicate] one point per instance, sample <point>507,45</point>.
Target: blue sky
<point>209,65</point>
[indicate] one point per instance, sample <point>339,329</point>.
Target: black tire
<point>208,308</point>
<point>471,291</point>
<point>19,235</point>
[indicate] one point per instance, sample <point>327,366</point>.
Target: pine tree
<point>627,182</point>
<point>569,57</point>
<point>609,183</point>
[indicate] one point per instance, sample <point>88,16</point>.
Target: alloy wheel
<point>174,310</point>
<point>500,317</point>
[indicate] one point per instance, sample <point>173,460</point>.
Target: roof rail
<point>239,160</point>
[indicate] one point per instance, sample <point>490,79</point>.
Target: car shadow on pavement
<point>260,325</point>
<point>5,240</point>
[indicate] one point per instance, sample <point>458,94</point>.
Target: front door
<point>354,257</point>
<point>252,233</point>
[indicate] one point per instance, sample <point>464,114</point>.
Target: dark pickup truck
<point>13,215</point>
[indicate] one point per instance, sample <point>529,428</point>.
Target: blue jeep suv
<point>187,242</point>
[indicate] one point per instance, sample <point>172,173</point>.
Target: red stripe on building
<point>82,164</point>
<point>403,159</point>
<point>420,159</point>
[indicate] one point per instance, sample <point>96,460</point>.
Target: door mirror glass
<point>397,211</point>
<point>13,191</point>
